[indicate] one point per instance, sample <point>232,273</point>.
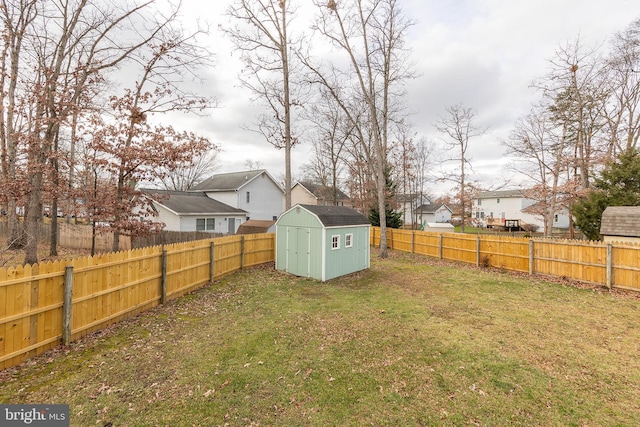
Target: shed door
<point>298,251</point>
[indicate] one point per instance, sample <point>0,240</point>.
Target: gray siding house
<point>254,191</point>
<point>194,211</point>
<point>322,242</point>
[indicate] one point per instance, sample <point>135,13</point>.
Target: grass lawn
<point>411,341</point>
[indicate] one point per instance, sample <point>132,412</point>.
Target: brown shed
<point>621,224</point>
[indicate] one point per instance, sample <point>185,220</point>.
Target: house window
<point>348,240</point>
<point>497,200</point>
<point>248,196</point>
<point>335,242</point>
<point>479,202</point>
<point>205,224</point>
<point>555,218</point>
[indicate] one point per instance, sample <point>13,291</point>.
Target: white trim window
<point>348,240</point>
<point>335,242</point>
<point>205,224</point>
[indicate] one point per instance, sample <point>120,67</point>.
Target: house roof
<point>323,192</point>
<point>231,181</point>
<point>621,221</point>
<point>431,207</point>
<point>253,226</point>
<point>190,203</point>
<point>501,194</point>
<point>335,216</point>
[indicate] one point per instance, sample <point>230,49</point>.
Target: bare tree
<point>17,17</point>
<point>186,174</point>
<point>459,127</point>
<point>623,76</point>
<point>577,91</point>
<point>539,147</point>
<point>370,35</point>
<point>332,131</point>
<point>262,35</point>
<point>66,48</point>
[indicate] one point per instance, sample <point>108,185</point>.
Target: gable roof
<point>190,203</point>
<point>501,194</point>
<point>323,192</point>
<point>336,216</point>
<point>431,207</point>
<point>621,221</point>
<point>231,181</point>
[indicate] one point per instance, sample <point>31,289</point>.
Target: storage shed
<point>322,242</point>
<point>621,224</point>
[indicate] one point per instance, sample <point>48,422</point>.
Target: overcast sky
<point>483,54</point>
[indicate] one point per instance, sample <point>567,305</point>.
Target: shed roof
<point>253,226</point>
<point>621,221</point>
<point>336,216</point>
<point>190,203</point>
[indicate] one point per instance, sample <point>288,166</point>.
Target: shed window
<point>205,224</point>
<point>335,242</point>
<point>348,240</point>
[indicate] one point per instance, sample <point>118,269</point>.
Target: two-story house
<point>497,208</point>
<point>255,192</point>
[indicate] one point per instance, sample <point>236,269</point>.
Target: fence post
<point>478,251</point>
<point>531,256</point>
<point>212,274</point>
<point>413,241</point>
<point>163,280</point>
<point>242,252</point>
<point>67,305</point>
<point>440,246</point>
<point>609,265</point>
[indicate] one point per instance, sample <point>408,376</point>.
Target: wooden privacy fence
<point>612,265</point>
<point>45,304</point>
<point>74,236</point>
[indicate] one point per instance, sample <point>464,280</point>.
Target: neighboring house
<point>621,224</point>
<point>306,193</point>
<point>194,211</point>
<point>322,242</point>
<point>495,208</point>
<point>255,191</point>
<point>433,212</point>
<point>408,204</point>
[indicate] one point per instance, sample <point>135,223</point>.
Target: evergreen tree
<point>618,185</point>
<point>393,218</point>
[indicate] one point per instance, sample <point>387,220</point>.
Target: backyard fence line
<point>608,264</point>
<point>46,304</point>
<point>74,236</point>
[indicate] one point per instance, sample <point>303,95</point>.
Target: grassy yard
<point>410,342</point>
